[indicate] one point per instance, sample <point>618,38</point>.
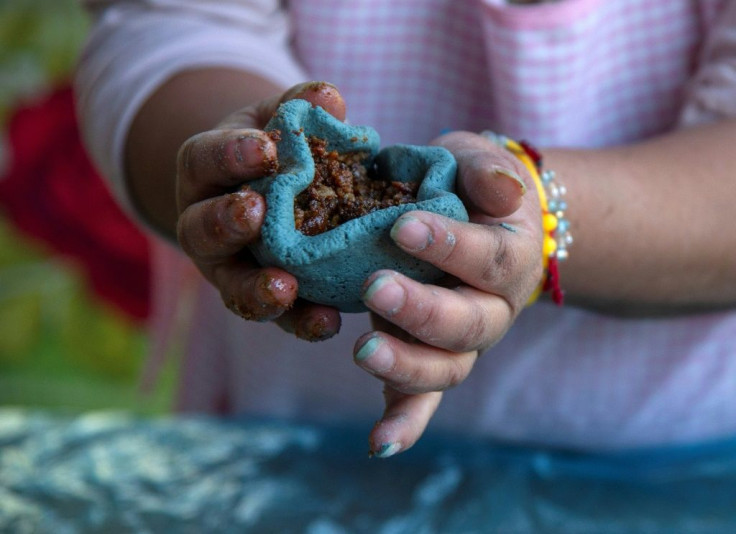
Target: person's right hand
<point>219,215</point>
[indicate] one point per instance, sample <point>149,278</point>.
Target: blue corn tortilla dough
<point>330,267</point>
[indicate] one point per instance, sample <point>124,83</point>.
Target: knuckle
<point>214,149</point>
<point>411,381</point>
<point>236,302</point>
<point>214,228</point>
<point>200,231</point>
<point>445,249</point>
<point>502,262</point>
<point>421,319</point>
<point>184,156</point>
<point>474,333</point>
<point>455,373</point>
<point>208,230</point>
<point>246,310</point>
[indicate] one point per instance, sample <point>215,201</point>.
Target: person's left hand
<point>428,337</point>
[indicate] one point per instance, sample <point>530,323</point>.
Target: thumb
<point>490,179</point>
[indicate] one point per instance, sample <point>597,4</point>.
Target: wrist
<point>553,205</point>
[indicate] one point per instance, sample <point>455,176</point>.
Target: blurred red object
<point>53,193</point>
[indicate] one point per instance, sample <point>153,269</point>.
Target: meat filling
<point>343,189</point>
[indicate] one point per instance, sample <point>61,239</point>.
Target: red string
<point>552,282</point>
<point>552,276</point>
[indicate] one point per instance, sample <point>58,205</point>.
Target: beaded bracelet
<point>557,236</point>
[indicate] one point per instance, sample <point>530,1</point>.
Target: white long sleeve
<point>134,47</point>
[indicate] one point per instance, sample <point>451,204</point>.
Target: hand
<point>428,337</point>
<point>218,218</point>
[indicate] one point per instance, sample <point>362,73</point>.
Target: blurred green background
<point>60,346</point>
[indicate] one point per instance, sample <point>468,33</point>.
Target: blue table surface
<point>111,472</point>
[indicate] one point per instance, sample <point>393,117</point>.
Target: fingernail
<point>411,233</point>
<point>375,355</point>
<point>385,295</point>
<point>302,90</point>
<point>245,145</point>
<point>386,450</point>
<point>245,209</point>
<point>509,174</point>
<point>272,293</point>
<point>314,328</point>
<point>248,152</point>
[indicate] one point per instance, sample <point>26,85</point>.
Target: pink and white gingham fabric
<point>572,73</point>
<point>584,73</point>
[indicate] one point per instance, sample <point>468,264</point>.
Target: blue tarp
<point>107,472</point>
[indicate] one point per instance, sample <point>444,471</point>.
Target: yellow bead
<point>549,222</point>
<point>549,247</point>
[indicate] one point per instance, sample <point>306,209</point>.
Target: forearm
<point>187,104</point>
<point>650,222</point>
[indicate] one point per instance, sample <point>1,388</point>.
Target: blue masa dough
<point>331,267</point>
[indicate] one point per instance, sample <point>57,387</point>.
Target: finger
<point>498,259</point>
<point>457,320</point>
<point>219,227</point>
<point>211,162</point>
<point>321,94</point>
<point>214,162</point>
<point>412,367</point>
<point>490,179</point>
<point>311,322</point>
<point>253,293</point>
<point>403,422</point>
